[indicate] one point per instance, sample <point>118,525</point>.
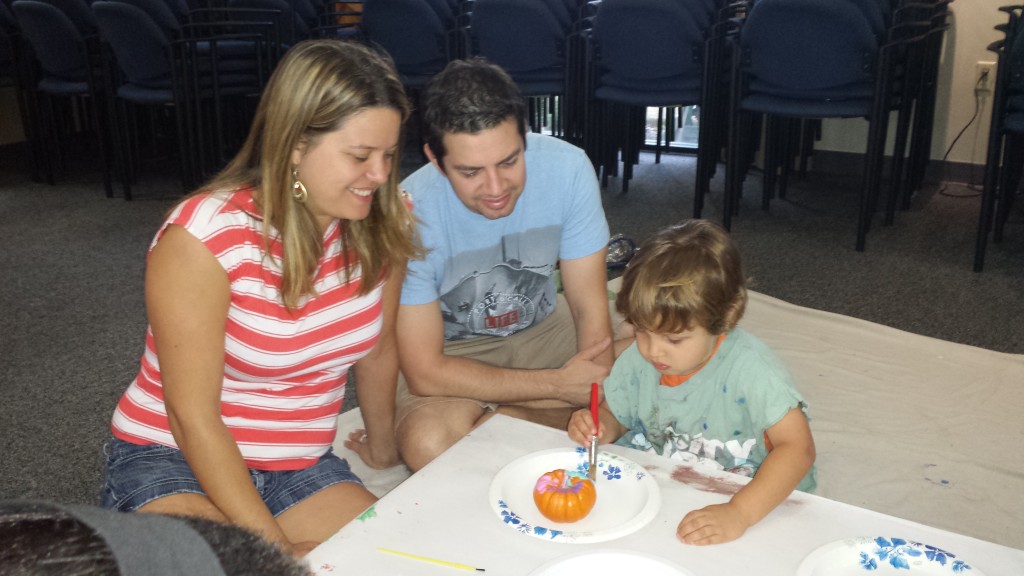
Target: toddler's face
<point>676,353</point>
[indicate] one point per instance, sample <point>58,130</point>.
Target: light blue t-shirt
<point>718,417</point>
<point>494,277</point>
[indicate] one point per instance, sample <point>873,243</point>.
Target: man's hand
<point>713,524</point>
<point>580,371</point>
<point>378,459</point>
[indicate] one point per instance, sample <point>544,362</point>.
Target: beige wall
<point>971,31</point>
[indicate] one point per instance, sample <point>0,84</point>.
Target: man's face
<point>486,169</point>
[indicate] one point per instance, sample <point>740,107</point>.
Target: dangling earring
<point>299,192</point>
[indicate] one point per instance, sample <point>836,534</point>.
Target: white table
<point>444,512</point>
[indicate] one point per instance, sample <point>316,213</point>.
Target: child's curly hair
<point>687,275</point>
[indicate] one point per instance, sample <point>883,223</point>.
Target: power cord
<point>970,177</point>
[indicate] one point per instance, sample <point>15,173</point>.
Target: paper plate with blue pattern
<point>627,496</point>
<point>882,555</point>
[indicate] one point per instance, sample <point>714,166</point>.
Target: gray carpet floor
<point>72,316</point>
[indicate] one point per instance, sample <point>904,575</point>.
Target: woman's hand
<point>375,457</point>
<point>300,549</point>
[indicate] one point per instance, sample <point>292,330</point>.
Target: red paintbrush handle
<point>594,406</point>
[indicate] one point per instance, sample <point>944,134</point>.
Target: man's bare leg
<point>553,417</point>
<point>432,428</point>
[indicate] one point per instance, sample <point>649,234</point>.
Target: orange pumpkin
<point>564,496</point>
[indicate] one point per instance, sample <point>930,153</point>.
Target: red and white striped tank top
<point>284,372</point>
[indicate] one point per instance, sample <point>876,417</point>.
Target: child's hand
<point>713,524</point>
<point>581,427</point>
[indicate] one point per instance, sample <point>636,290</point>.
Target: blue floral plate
<point>883,555</point>
<point>627,496</point>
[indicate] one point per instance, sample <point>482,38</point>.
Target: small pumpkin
<point>564,496</point>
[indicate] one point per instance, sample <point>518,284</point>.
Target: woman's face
<point>342,169</point>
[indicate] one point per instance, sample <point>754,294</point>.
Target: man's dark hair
<point>42,539</point>
<point>469,96</point>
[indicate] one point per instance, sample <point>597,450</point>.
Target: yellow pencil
<point>431,560</point>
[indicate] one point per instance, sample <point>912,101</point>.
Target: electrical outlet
<point>984,76</point>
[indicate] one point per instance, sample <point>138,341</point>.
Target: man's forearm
<point>469,378</point>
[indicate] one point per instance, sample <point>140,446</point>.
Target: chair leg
<point>122,147</point>
<point>899,155</point>
<point>771,159</point>
<point>790,135</point>
<point>48,136</point>
<point>988,198</point>
<point>735,165</point>
<point>657,139</point>
<point>872,172</point>
<point>1009,180</point>
<point>810,132</point>
<point>636,132</point>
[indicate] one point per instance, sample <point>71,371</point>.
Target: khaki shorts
<point>549,344</point>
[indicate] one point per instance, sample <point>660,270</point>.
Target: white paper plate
<point>610,563</point>
<point>883,555</point>
<point>627,496</point>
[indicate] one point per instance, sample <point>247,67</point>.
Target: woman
<point>262,290</point>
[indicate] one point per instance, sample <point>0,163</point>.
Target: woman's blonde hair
<point>317,86</point>
<point>687,275</point>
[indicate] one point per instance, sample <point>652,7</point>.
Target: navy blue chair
<point>1004,159</point>
<point>413,34</point>
<point>66,73</point>
<point>919,154</point>
<point>290,18</point>
<point>232,58</point>
<point>916,80</point>
<point>150,72</point>
<point>78,12</point>
<point>806,59</point>
<point>140,75</point>
<point>9,35</point>
<point>17,74</point>
<point>644,53</point>
<point>562,10</point>
<point>527,40</point>
<point>444,11</point>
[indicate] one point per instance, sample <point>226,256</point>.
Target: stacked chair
<point>15,72</point>
<point>918,154</point>
<point>419,39</point>
<point>158,66</point>
<point>798,60</point>
<point>528,39</point>
<point>421,36</point>
<point>66,82</point>
<point>295,20</point>
<point>1005,158</point>
<point>642,53</point>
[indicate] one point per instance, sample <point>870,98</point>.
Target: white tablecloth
<point>443,512</point>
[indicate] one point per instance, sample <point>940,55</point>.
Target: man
<point>481,328</point>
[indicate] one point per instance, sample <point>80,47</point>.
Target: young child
<point>694,387</point>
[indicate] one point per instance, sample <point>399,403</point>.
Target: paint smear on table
<point>692,477</point>
<point>370,512</point>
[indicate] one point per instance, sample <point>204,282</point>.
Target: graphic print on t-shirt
<point>501,289</point>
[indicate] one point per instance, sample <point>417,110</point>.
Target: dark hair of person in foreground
<point>42,539</point>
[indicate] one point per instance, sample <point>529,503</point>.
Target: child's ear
<point>735,311</point>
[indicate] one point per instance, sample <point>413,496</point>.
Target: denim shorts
<point>136,475</point>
